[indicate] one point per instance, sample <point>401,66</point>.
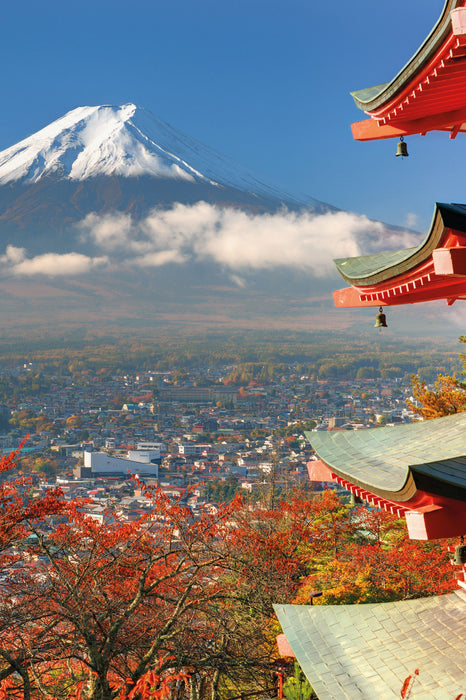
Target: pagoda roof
<point>395,462</point>
<point>374,650</point>
<point>435,269</point>
<point>415,470</point>
<point>370,269</point>
<point>428,92</point>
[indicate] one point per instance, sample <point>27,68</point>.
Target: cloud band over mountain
<point>237,240</point>
<point>16,262</point>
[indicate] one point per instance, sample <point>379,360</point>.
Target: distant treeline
<point>247,356</point>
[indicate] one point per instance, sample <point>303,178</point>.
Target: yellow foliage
<point>446,397</point>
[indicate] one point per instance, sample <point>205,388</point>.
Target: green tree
<point>297,687</point>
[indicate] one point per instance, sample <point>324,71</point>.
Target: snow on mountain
<point>91,141</point>
<point>124,141</point>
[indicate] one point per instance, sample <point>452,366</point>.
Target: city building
<point>141,463</point>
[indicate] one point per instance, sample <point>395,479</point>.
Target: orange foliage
<point>378,563</point>
<point>446,397</point>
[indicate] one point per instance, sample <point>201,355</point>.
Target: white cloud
<point>13,255</point>
<point>239,241</point>
<point>412,220</point>
<point>236,239</point>
<point>52,264</point>
<point>303,241</point>
<point>239,281</point>
<point>159,258</point>
<point>110,231</point>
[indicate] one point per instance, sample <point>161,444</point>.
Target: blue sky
<point>266,82</point>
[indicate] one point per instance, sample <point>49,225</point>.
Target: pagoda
<point>428,93</point>
<point>436,269</point>
<point>415,470</point>
<point>410,648</point>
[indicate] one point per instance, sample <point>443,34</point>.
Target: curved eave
<point>370,99</point>
<point>428,93</point>
<point>417,289</point>
<point>395,462</point>
<point>369,270</point>
<point>435,270</point>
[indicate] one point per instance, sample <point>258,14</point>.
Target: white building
<point>160,446</point>
<point>142,463</point>
<point>190,449</point>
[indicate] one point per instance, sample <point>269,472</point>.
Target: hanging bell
<point>381,319</point>
<point>402,148</point>
<point>460,555</point>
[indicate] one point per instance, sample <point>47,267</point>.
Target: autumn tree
<point>264,566</point>
<point>445,397</point>
<point>94,607</point>
<point>378,563</point>
<point>112,596</point>
<point>116,609</point>
<point>18,576</point>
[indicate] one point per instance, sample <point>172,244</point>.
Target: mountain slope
<point>107,159</point>
<point>109,215</point>
<point>90,141</point>
<point>125,141</point>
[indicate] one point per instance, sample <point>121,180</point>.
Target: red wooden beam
<point>352,298</point>
<point>445,287</point>
<point>370,129</point>
<point>428,516</point>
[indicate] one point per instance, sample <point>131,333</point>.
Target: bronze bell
<point>402,148</point>
<point>460,555</point>
<point>381,319</point>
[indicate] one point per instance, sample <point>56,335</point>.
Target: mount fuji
<point>93,141</point>
<point>127,142</point>
<point>116,158</point>
<point>110,215</point>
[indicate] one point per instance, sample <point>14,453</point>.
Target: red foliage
<point>378,562</point>
<point>117,610</point>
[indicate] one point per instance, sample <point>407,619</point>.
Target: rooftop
<point>436,269</point>
<point>370,269</point>
<point>417,470</point>
<point>394,461</point>
<point>370,651</point>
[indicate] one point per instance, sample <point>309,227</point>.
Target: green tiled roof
<point>367,94</point>
<point>390,461</point>
<point>366,266</point>
<point>366,270</point>
<point>366,652</point>
<point>372,98</point>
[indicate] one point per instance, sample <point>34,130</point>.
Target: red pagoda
<point>410,648</point>
<point>427,94</point>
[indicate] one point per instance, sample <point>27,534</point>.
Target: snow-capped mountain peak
<point>127,141</point>
<point>105,140</point>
